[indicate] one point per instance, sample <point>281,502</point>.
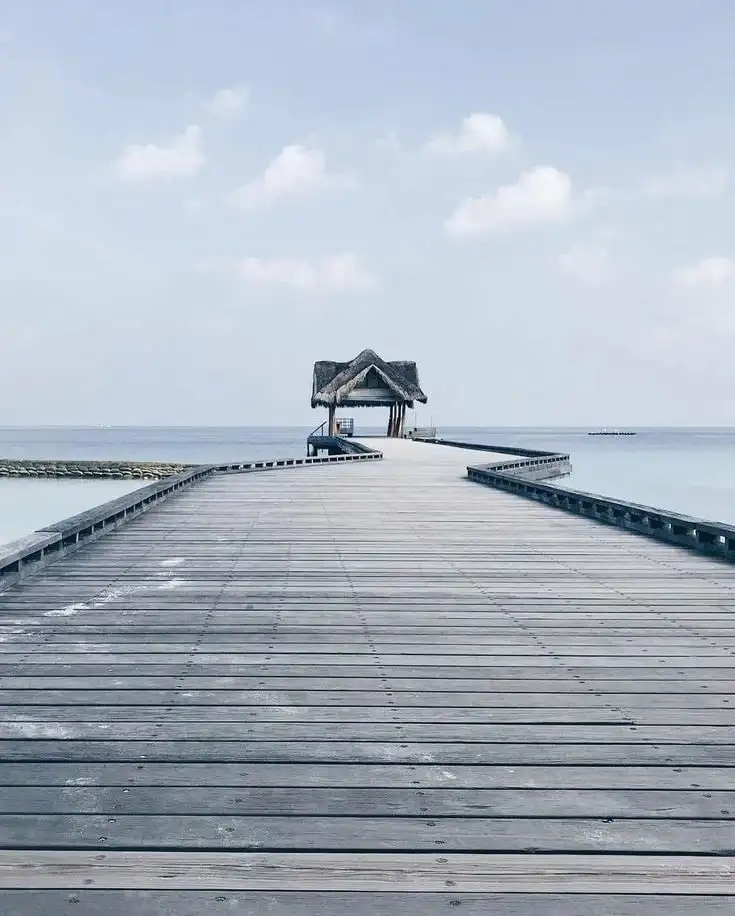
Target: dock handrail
<point>523,477</point>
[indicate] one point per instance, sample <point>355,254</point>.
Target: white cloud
<point>478,133</point>
<point>712,273</point>
<point>182,158</point>
<point>692,183</point>
<point>541,195</point>
<point>588,265</point>
<point>229,104</point>
<point>295,172</point>
<point>336,274</point>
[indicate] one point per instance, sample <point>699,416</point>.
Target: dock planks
<point>375,688</point>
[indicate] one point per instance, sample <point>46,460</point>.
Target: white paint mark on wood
<point>32,729</point>
<point>9,633</point>
<point>69,611</point>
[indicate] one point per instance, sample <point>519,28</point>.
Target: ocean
<point>691,471</point>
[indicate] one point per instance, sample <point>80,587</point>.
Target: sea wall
<point>112,470</point>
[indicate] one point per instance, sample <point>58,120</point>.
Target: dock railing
<point>421,432</point>
<point>524,478</point>
<point>530,464</point>
<point>28,554</point>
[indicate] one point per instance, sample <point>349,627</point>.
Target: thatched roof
<point>366,381</point>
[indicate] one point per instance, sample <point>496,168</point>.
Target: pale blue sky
<point>533,200</point>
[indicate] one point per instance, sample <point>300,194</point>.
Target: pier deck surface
<point>374,688</point>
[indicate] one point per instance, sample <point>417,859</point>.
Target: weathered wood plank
<point>26,632</point>
<point>391,712</point>
<point>491,733</point>
<point>575,685</point>
<point>502,753</point>
<point>334,833</point>
<point>85,902</point>
<point>137,703</point>
<point>370,658</point>
<point>550,874</point>
<point>367,801</point>
<point>366,731</point>
<point>414,776</point>
<point>697,669</point>
<point>238,621</point>
<point>145,648</point>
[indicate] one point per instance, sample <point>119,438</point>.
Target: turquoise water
<point>684,470</point>
<point>26,505</point>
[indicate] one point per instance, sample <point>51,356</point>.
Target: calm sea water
<point>691,471</point>
<point>685,470</point>
<point>26,505</point>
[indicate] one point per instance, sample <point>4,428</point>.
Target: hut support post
<point>390,421</point>
<point>332,411</point>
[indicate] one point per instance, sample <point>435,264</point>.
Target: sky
<point>534,201</point>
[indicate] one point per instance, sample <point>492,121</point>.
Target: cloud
<point>588,265</point>
<point>708,274</point>
<point>295,172</point>
<point>182,158</point>
<point>540,196</point>
<point>229,104</point>
<point>688,183</point>
<point>478,133</point>
<point>335,274</point>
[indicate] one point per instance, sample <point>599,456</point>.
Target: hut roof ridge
<point>333,381</point>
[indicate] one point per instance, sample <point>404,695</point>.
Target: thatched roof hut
<point>367,381</point>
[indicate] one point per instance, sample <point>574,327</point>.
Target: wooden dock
<point>371,689</point>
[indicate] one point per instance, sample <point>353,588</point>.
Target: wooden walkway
<point>370,689</point>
